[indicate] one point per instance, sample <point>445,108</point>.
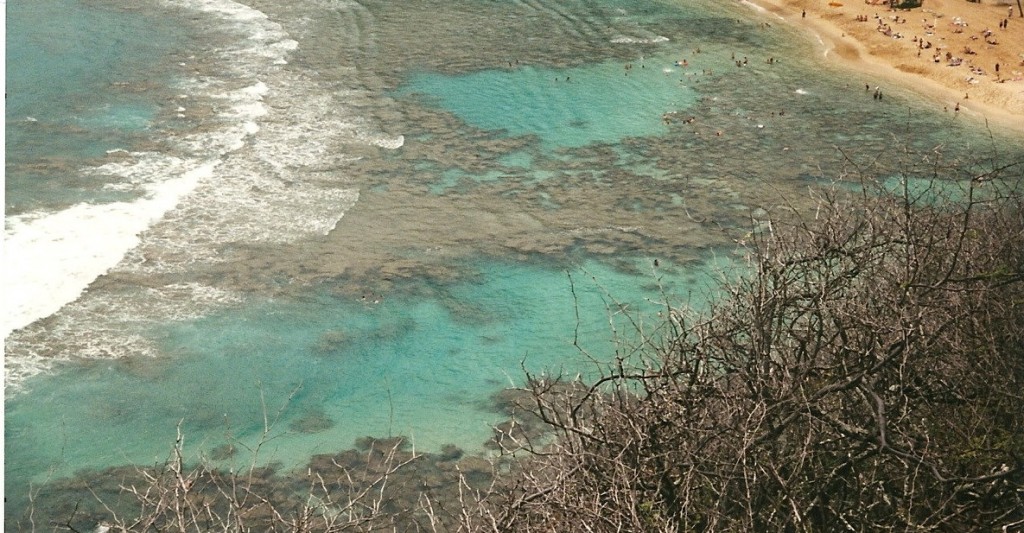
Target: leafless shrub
<point>866,376</point>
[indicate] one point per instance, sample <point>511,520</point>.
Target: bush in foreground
<point>866,376</point>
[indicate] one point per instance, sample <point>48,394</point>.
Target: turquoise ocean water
<point>70,98</point>
<point>365,218</point>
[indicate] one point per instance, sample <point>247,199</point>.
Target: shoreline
<point>890,46</point>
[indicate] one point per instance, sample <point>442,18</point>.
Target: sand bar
<point>948,50</point>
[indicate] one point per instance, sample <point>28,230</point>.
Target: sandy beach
<point>968,57</point>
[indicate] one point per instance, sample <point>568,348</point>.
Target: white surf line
<point>762,9</point>
<point>50,259</point>
<point>826,48</point>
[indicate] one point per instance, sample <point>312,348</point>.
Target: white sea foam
<point>255,197</point>
<point>626,39</point>
<point>243,176</point>
<point>49,259</point>
<point>390,143</point>
<point>760,9</point>
<point>263,195</point>
<point>756,7</point>
<point>103,326</point>
<point>194,204</point>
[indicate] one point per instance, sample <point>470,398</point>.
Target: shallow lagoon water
<point>421,362</point>
<point>390,152</point>
<point>570,107</point>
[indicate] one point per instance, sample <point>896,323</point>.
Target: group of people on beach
<point>957,25</point>
<point>883,27</point>
<point>956,44</point>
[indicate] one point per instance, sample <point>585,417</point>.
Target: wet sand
<point>958,69</point>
